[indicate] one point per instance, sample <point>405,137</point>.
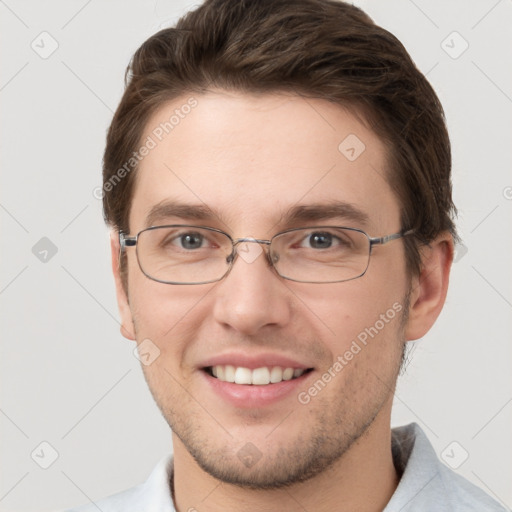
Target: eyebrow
<point>294,216</point>
<point>325,211</point>
<point>168,209</point>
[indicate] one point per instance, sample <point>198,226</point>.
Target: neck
<point>364,479</point>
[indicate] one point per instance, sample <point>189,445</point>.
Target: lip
<point>254,361</point>
<point>247,396</point>
<point>250,396</point>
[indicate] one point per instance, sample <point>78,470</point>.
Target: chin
<point>277,465</point>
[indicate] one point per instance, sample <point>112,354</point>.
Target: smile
<point>258,376</point>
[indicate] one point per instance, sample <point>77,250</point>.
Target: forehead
<point>249,160</point>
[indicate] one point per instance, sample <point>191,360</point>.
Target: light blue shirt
<point>426,484</point>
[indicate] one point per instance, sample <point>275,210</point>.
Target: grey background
<point>71,380</point>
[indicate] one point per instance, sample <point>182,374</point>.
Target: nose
<point>252,295</point>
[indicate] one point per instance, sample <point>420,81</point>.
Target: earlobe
<point>429,289</point>
<point>127,326</point>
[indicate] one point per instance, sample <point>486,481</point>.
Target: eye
<point>320,240</point>
<point>190,240</point>
<point>324,240</point>
<point>183,240</point>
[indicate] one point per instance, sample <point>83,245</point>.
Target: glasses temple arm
<point>385,239</point>
<point>126,241</point>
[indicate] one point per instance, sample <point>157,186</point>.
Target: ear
<point>127,327</point>
<point>429,288</point>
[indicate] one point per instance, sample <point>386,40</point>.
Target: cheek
<point>349,310</point>
<point>366,351</point>
<point>168,315</point>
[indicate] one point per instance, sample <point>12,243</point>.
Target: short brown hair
<point>324,49</point>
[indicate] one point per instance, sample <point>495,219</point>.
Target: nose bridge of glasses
<point>237,241</point>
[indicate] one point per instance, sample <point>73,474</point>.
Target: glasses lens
<point>321,254</point>
<point>183,254</point>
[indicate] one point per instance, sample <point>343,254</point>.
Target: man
<point>277,179</point>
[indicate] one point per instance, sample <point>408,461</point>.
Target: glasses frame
<point>131,241</point>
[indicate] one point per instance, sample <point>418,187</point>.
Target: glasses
<point>183,254</point>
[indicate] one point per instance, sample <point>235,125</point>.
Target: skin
<point>251,158</point>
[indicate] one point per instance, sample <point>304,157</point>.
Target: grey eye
<point>191,240</point>
<point>320,240</point>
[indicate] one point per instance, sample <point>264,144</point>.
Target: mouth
<point>263,376</point>
<point>256,380</point>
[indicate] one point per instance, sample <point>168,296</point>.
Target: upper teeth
<point>258,376</point>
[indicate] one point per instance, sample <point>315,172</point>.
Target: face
<point>250,160</point>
